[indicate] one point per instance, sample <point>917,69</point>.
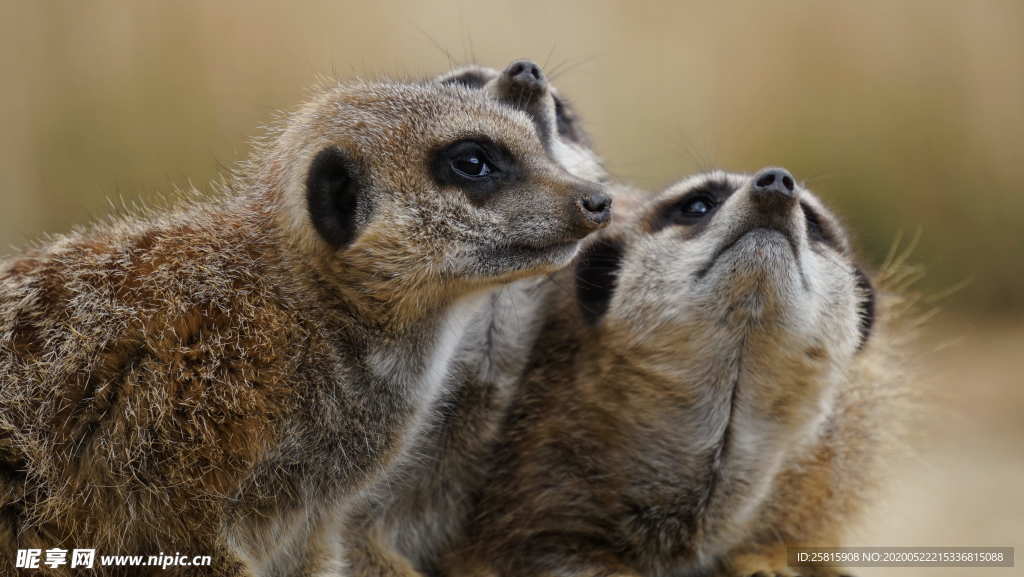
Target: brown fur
<point>686,433</point>
<point>217,379</point>
<point>407,521</point>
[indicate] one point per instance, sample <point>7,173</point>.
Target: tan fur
<point>217,379</point>
<point>704,423</point>
<point>407,521</point>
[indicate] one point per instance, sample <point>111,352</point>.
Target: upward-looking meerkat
<point>714,393</point>
<point>214,378</point>
<point>407,521</point>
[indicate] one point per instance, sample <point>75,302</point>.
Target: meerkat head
<point>730,262</point>
<point>425,189</point>
<point>738,299</point>
<point>523,85</point>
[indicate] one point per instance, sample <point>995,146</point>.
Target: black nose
<point>774,182</point>
<point>596,207</point>
<point>526,73</point>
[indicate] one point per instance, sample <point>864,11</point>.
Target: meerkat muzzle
<point>596,208</point>
<point>773,190</point>
<point>774,201</point>
<point>523,78</point>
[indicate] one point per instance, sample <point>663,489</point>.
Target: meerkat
<point>408,520</point>
<point>217,377</point>
<point>717,389</point>
<point>523,84</point>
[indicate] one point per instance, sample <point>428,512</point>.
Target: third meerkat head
<point>731,262</point>
<point>524,85</point>
<point>737,299</point>
<point>425,188</point>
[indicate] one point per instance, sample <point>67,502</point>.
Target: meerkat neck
<point>726,456</point>
<point>417,357</point>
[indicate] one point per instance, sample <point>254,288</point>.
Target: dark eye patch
<point>817,230</point>
<point>695,208</point>
<point>597,275</point>
<point>477,165</point>
<point>866,308</point>
<point>692,208</point>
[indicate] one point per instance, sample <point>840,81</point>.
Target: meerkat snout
<point>775,179</point>
<point>596,208</point>
<point>523,85</point>
<point>755,235</point>
<point>525,73</point>
<point>774,187</point>
<point>773,201</point>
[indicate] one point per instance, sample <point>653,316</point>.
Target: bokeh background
<point>906,116</point>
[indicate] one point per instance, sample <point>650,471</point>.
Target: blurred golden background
<point>907,116</point>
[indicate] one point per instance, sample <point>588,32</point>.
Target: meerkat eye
<point>693,209</point>
<point>697,207</point>
<point>479,167</point>
<point>471,164</point>
<point>470,161</point>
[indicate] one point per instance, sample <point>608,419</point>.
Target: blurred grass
<point>906,116</point>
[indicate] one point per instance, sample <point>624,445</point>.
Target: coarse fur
<point>406,522</point>
<point>220,378</point>
<point>722,384</point>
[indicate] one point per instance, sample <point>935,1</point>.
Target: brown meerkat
<point>716,391</point>
<point>408,520</point>
<point>215,378</point>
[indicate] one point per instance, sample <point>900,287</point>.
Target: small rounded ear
<point>333,197</point>
<point>866,308</point>
<point>597,274</point>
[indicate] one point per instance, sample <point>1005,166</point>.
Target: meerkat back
<point>698,385</point>
<point>218,376</point>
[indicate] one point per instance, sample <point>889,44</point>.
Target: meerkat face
<point>735,311</point>
<point>735,283</point>
<point>428,185</point>
<point>757,255</point>
<point>523,85</point>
